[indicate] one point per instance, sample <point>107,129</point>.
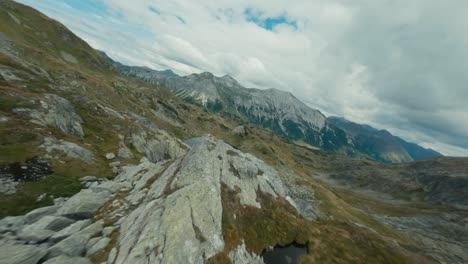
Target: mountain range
<point>282,113</point>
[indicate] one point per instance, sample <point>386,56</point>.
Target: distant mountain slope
<point>280,112</point>
<point>144,73</point>
<point>417,152</point>
<point>277,110</point>
<point>380,144</point>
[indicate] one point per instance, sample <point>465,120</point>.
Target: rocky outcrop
<point>59,233</point>
<point>70,149</point>
<point>57,112</point>
<point>185,202</point>
<point>157,145</point>
<point>240,131</point>
<point>240,255</point>
<point>165,212</point>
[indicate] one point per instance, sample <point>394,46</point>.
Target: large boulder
<point>43,228</point>
<point>157,145</point>
<point>85,203</point>
<point>57,112</point>
<point>75,245</point>
<point>97,247</point>
<point>21,254</point>
<point>70,149</point>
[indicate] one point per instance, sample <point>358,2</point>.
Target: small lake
<point>31,170</point>
<point>284,255</point>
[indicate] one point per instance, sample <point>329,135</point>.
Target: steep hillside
<point>96,167</point>
<point>380,144</point>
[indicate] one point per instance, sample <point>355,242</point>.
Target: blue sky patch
<point>268,23</point>
<point>90,6</point>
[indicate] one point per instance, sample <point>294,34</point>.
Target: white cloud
<point>397,65</point>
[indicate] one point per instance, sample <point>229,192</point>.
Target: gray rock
<point>70,149</point>
<point>68,57</point>
<point>58,112</point>
<point>21,254</point>
<point>91,179</point>
<point>43,228</point>
<point>240,255</point>
<point>112,256</point>
<point>4,119</point>
<point>91,243</point>
<point>98,246</point>
<point>114,164</point>
<point>73,246</point>
<point>84,204</point>
<point>240,131</point>
<point>41,197</point>
<point>179,220</point>
<point>158,145</point>
<point>124,152</point>
<point>11,224</point>
<point>59,223</point>
<point>92,230</point>
<point>70,230</point>
<point>8,185</point>
<point>110,156</point>
<point>36,214</point>
<point>108,230</point>
<point>68,260</point>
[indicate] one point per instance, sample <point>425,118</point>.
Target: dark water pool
<point>31,170</point>
<point>284,255</point>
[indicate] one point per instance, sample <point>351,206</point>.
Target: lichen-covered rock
<point>157,145</point>
<point>240,131</point>
<point>179,220</point>
<point>166,212</point>
<point>98,246</point>
<point>240,255</point>
<point>44,228</point>
<point>57,112</point>
<point>38,213</point>
<point>11,224</point>
<point>124,152</point>
<point>70,149</point>
<point>21,254</point>
<point>70,230</point>
<point>84,204</point>
<point>75,245</point>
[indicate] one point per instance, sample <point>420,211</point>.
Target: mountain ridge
<point>288,116</point>
<point>381,143</point>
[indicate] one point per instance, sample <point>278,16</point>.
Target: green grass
<point>17,142</point>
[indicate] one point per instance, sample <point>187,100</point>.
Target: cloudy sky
<point>395,64</point>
